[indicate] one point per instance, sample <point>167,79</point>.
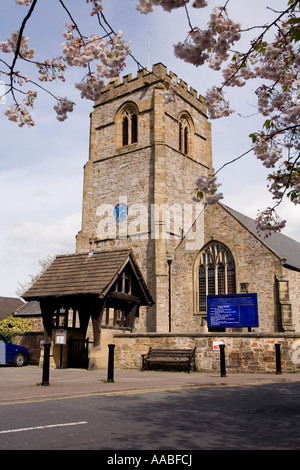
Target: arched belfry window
<point>129,126</point>
<point>184,135</point>
<point>216,272</point>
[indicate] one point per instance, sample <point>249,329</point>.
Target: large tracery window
<point>129,126</point>
<point>216,273</point>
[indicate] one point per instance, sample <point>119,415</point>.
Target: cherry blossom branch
<point>18,44</point>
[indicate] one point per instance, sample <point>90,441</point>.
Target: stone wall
<point>31,341</point>
<point>244,352</point>
<point>255,264</point>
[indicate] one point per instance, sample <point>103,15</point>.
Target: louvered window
<point>184,136</point>
<point>125,130</point>
<point>129,127</point>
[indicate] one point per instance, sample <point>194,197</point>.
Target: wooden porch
<point>104,287</point>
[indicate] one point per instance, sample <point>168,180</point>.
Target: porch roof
<point>91,273</point>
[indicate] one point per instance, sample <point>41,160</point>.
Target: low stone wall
<point>244,352</point>
<point>31,341</point>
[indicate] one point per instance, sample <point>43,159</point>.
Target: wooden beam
<point>124,297</point>
<point>96,310</point>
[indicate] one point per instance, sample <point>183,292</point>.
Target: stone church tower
<point>139,180</point>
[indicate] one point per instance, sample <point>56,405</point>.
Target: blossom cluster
<point>18,113</point>
<point>216,103</point>
<point>51,69</point>
<point>23,2</point>
<point>286,179</point>
<point>170,87</point>
<point>267,150</point>
<point>97,6</point>
<point>63,107</point>
<point>30,97</point>
<point>79,51</point>
<point>10,45</point>
<point>111,54</point>
<point>212,44</point>
<point>91,86</point>
<point>146,6</point>
<point>206,190</point>
<point>268,222</point>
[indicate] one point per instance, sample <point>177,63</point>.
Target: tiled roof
<point>84,273</point>
<point>29,309</point>
<point>8,305</point>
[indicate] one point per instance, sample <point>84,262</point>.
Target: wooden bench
<point>163,357</point>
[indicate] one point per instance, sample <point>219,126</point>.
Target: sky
<point>41,168</point>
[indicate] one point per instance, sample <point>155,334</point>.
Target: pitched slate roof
<point>28,309</point>
<point>8,305</point>
<point>284,247</point>
<point>85,273</point>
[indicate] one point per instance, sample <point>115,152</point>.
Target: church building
<point>148,256</point>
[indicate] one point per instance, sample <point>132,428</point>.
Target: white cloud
<point>25,242</point>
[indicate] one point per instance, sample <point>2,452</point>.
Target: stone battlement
<point>144,77</point>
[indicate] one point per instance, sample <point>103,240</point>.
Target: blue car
<point>12,353</point>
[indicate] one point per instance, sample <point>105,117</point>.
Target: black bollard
<point>110,371</point>
<point>46,364</point>
<point>278,359</point>
<point>222,360</point>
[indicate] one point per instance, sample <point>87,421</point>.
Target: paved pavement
<point>24,384</point>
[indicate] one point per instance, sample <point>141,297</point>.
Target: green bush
<point>11,326</point>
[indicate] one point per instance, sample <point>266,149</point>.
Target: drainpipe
<point>169,260</point>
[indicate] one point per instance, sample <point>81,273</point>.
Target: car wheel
<point>19,360</point>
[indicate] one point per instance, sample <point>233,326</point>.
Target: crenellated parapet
<point>144,78</point>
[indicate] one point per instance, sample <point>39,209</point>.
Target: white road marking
<point>43,427</point>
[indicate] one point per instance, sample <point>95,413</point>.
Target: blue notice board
<point>228,311</point>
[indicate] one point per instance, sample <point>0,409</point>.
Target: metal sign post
<point>61,338</point>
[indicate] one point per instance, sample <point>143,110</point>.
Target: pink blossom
<point>216,104</point>
<point>206,190</point>
<point>63,107</point>
<point>91,87</point>
<point>31,96</point>
<point>97,6</point>
<point>268,222</point>
<point>170,90</point>
<point>10,44</point>
<point>18,113</point>
<point>146,6</point>
<point>199,4</point>
<point>23,2</point>
<point>51,69</point>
